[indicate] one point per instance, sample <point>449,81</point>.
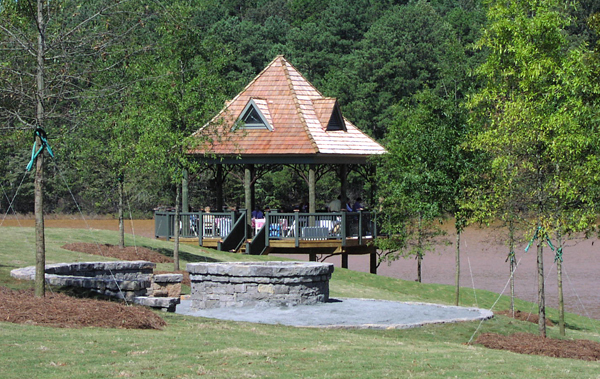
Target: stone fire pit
<point>242,284</point>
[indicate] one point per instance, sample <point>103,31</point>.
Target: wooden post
<point>343,184</point>
<point>344,260</point>
<point>248,172</point>
<point>219,182</point>
<point>312,191</point>
<point>312,257</point>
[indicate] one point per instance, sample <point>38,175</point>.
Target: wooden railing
<point>320,226</point>
<point>195,224</point>
<point>232,229</point>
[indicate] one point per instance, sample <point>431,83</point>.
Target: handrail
<point>297,226</point>
<point>258,245</point>
<point>236,237</point>
<point>317,226</point>
<point>193,224</point>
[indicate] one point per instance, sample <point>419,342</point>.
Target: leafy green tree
<point>188,87</point>
<point>421,174</point>
<point>51,49</point>
<point>537,112</point>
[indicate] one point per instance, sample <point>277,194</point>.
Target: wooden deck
<point>279,233</point>
<point>328,246</point>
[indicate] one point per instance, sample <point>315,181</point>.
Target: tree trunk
<point>419,249</point>
<point>541,292</point>
<point>419,263</point>
<point>40,244</point>
<point>121,223</point>
<point>561,302</point>
<point>457,274</point>
<point>177,217</point>
<point>511,258</point>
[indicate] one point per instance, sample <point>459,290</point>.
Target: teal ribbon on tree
<point>535,236</point>
<point>557,252</point>
<point>558,255</point>
<point>39,132</point>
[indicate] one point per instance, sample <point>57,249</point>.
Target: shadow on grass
<point>567,324</point>
<point>183,255</point>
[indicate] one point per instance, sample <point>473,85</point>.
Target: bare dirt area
<point>128,253</point>
<point>62,311</point>
<point>525,343</point>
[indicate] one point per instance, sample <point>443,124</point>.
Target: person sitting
<point>357,205</point>
<point>304,207</point>
<point>335,205</point>
<point>257,213</point>
<point>348,206</point>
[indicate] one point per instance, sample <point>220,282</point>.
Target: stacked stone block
<point>243,284</point>
<point>133,281</point>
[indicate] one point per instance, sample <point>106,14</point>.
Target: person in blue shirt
<point>357,205</point>
<point>257,213</point>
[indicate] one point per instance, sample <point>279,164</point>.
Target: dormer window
<point>336,122</point>
<point>329,114</point>
<point>256,115</point>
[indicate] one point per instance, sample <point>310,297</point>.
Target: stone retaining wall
<point>130,280</point>
<point>240,284</point>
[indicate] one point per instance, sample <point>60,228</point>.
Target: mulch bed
<point>63,311</point>
<point>526,343</point>
<point>524,316</point>
<point>60,310</point>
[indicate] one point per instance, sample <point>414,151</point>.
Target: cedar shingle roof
<point>299,115</point>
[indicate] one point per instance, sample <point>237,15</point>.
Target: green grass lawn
<point>191,347</point>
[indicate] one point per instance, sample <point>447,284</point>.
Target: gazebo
<point>280,118</point>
